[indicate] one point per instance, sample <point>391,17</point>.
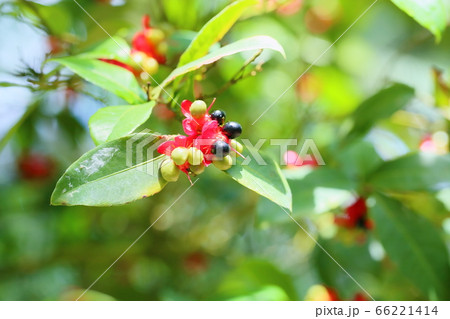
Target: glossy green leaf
<point>413,172</point>
<point>266,180</point>
<point>414,245</point>
<point>431,14</point>
<point>248,44</point>
<point>113,173</point>
<point>380,106</point>
<point>107,76</point>
<point>112,122</point>
<point>214,30</point>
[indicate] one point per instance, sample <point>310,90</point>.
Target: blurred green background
<point>221,241</point>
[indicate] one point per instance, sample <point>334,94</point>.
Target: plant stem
<point>239,75</point>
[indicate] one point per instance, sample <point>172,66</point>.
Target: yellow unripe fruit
<point>162,48</point>
<point>236,145</point>
<point>169,171</point>
<point>139,57</point>
<point>197,169</point>
<point>223,164</point>
<point>154,36</point>
<point>195,156</point>
<point>198,108</point>
<point>150,65</point>
<point>180,155</point>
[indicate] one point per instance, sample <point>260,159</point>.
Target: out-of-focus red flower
<point>290,8</point>
<point>161,111</point>
<point>427,145</point>
<point>142,42</point>
<point>324,293</point>
<point>292,160</point>
<point>195,263</point>
<point>35,166</point>
<point>332,294</point>
<point>321,293</point>
<point>56,44</point>
<point>308,88</point>
<point>358,209</point>
<point>360,297</point>
<point>355,216</point>
<point>147,51</point>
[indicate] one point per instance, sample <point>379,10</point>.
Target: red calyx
<point>122,65</point>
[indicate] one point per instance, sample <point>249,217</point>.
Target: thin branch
<point>239,75</point>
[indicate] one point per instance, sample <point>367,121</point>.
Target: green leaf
<point>214,30</point>
<point>91,295</point>
<point>248,44</point>
<point>358,159</point>
<point>354,258</point>
<point>381,105</point>
<point>250,276</point>
<point>115,48</point>
<point>413,172</point>
<point>414,245</point>
<point>9,84</point>
<point>112,122</point>
<point>9,133</point>
<point>107,76</point>
<point>266,180</point>
<point>318,190</point>
<point>431,14</point>
<point>113,173</point>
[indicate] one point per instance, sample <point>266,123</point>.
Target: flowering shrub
<point>343,173</point>
<point>209,139</point>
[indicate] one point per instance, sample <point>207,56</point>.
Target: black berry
<point>232,129</point>
<point>219,116</point>
<point>220,148</point>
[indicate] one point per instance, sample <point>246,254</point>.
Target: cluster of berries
<point>208,140</point>
<point>148,51</point>
<point>355,216</point>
